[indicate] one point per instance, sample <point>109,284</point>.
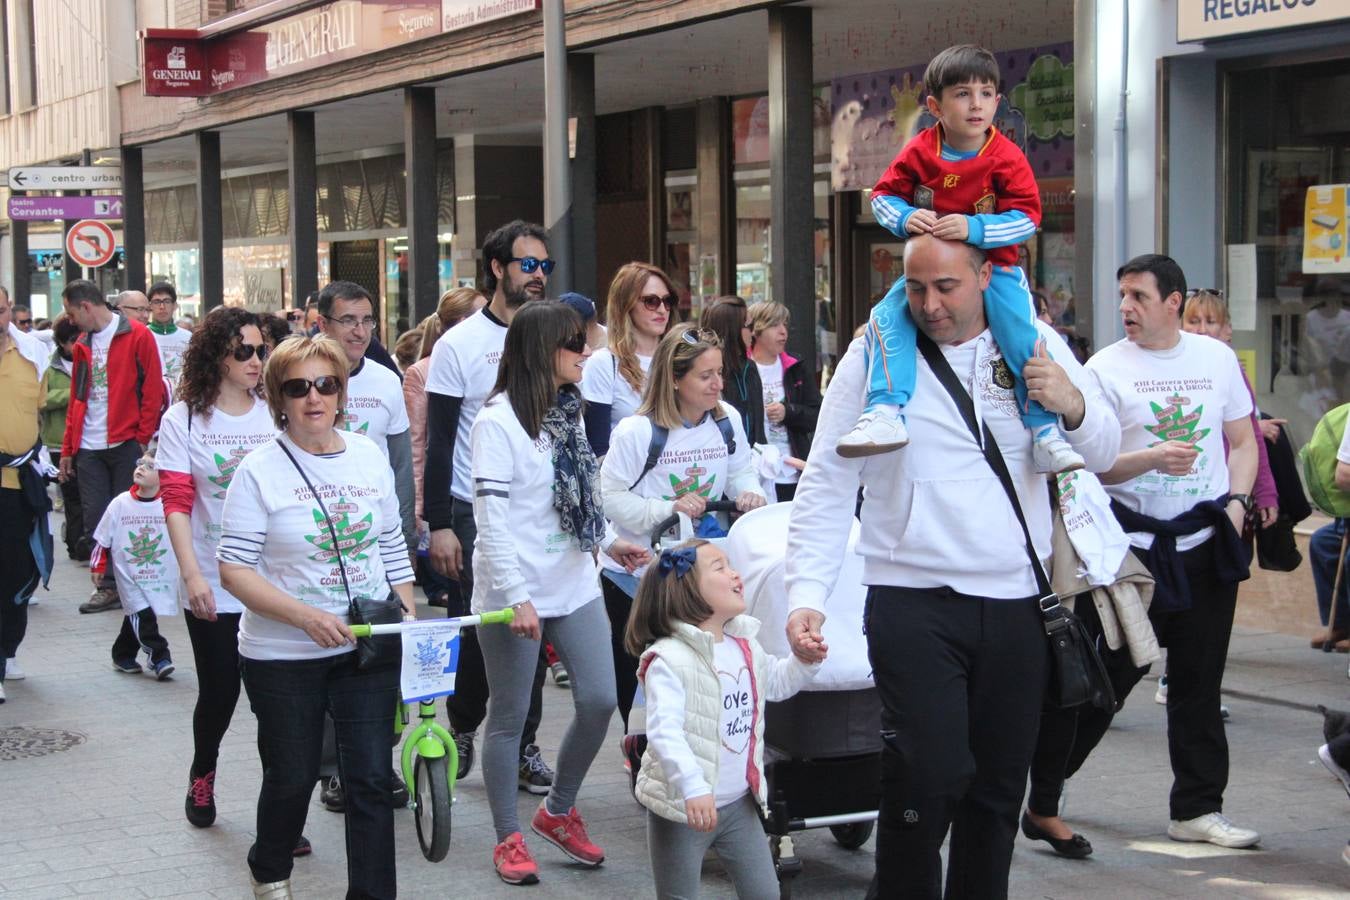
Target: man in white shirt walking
<point>463,370</point>
<point>954,631</point>
<point>1178,396</point>
<point>171,340</point>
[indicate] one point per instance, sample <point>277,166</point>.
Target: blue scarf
<point>576,481</point>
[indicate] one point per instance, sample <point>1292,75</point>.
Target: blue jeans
<point>290,697</point>
<point>892,342</point>
<point>1323,549</point>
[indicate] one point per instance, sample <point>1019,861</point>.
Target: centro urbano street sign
<point>65,178</point>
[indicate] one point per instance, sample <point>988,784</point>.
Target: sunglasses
<point>529,263</point>
<point>294,316</point>
<point>575,344</point>
<point>653,302</point>
<point>245,352</point>
<point>1195,291</point>
<point>696,336</point>
<point>298,388</point>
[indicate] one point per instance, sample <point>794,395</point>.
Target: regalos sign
<point>190,64</point>
<point>1200,20</point>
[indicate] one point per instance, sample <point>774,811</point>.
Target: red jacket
<point>135,387</point>
<point>996,180</point>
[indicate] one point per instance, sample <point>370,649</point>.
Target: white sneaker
<point>1324,754</point>
<point>34,601</point>
<point>1160,695</point>
<point>1051,454</point>
<point>1213,828</point>
<point>13,671</point>
<point>876,432</point>
<point>2,692</point>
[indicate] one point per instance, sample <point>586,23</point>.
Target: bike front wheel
<point>431,782</point>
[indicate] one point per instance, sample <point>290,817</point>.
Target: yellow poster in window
<point>1324,229</point>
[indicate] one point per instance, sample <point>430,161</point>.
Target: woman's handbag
<point>1077,673</point>
<point>374,653</point>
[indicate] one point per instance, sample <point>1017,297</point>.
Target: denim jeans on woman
<point>290,697</point>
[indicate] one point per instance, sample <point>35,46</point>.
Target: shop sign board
<point>65,178</point>
<point>1201,20</point>
<point>1324,229</point>
<point>52,209</point>
<point>187,64</point>
<point>90,243</point>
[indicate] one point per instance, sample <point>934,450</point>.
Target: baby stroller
<point>822,754</point>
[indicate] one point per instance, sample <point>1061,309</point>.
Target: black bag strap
<point>943,370</point>
<point>342,568</point>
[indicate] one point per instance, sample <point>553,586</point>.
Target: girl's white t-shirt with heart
<point>210,448</point>
<point>738,721</point>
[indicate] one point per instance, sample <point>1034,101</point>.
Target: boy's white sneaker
<point>1324,754</point>
<point>1052,455</point>
<point>876,432</point>
<point>13,671</point>
<point>1212,828</point>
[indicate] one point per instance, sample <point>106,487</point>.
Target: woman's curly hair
<point>217,335</point>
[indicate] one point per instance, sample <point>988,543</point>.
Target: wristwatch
<point>1244,499</point>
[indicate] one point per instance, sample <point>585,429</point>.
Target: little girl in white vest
<point>706,681</point>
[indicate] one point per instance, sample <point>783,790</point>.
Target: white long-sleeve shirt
<point>934,513</point>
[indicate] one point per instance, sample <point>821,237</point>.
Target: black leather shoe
<point>1076,847</point>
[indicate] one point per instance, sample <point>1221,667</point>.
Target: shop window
<point>1288,130</point>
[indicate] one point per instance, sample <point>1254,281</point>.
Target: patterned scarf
<point>576,483</point>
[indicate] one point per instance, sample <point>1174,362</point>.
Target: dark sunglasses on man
<point>529,263</point>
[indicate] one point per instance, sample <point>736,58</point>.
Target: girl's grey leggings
<point>676,852</point>
<point>581,639</point>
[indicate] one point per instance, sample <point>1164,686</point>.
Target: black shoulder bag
<point>1077,673</point>
<point>374,653</point>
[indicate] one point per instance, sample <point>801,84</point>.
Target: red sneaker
<point>568,834</point>
<point>513,861</point>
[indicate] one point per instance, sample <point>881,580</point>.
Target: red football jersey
<point>996,179</point>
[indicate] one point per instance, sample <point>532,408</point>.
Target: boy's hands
<point>701,812</point>
<point>951,228</point>
<point>921,221</point>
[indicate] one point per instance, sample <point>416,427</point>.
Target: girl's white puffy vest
<point>689,653</point>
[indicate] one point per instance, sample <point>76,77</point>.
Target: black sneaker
<point>302,847</point>
<point>331,795</point>
<point>464,745</point>
<point>200,805</point>
<point>535,775</point>
<point>398,792</point>
<point>633,746</point>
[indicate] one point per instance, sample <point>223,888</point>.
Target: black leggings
<point>617,606</point>
<point>215,648</point>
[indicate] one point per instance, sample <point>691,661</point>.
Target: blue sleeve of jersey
<point>892,212</point>
<point>989,230</point>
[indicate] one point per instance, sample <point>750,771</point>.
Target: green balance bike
<point>430,761</point>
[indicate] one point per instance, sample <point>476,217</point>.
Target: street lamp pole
<point>557,167</point>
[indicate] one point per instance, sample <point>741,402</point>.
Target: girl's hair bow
<point>679,561</point>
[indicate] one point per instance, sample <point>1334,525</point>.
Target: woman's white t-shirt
<point>694,460</point>
<point>137,539</point>
<point>602,383</point>
<point>529,548</point>
<point>272,523</point>
<point>210,448</point>
<point>771,377</point>
<point>1184,393</point>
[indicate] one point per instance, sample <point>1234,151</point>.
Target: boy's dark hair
<point>498,246</point>
<point>82,291</point>
<point>959,64</point>
<point>163,287</point>
<point>343,290</point>
<point>1165,272</point>
<point>64,329</point>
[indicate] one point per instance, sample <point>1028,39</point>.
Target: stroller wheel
<point>853,835</point>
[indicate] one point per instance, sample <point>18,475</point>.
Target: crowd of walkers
<point>262,472</point>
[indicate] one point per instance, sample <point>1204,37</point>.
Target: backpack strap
<point>728,434</point>
<point>654,448</point>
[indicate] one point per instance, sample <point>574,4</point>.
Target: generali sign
<point>180,63</point>
<point>1200,20</point>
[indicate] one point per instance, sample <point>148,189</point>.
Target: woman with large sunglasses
<point>220,417</point>
<point>639,310</point>
<point>537,506</point>
<point>705,457</point>
<point>311,521</point>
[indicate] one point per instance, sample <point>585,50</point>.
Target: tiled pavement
<point>105,819</point>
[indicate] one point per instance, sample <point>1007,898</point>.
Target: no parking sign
<point>90,243</point>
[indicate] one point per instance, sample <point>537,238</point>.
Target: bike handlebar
<point>497,617</point>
